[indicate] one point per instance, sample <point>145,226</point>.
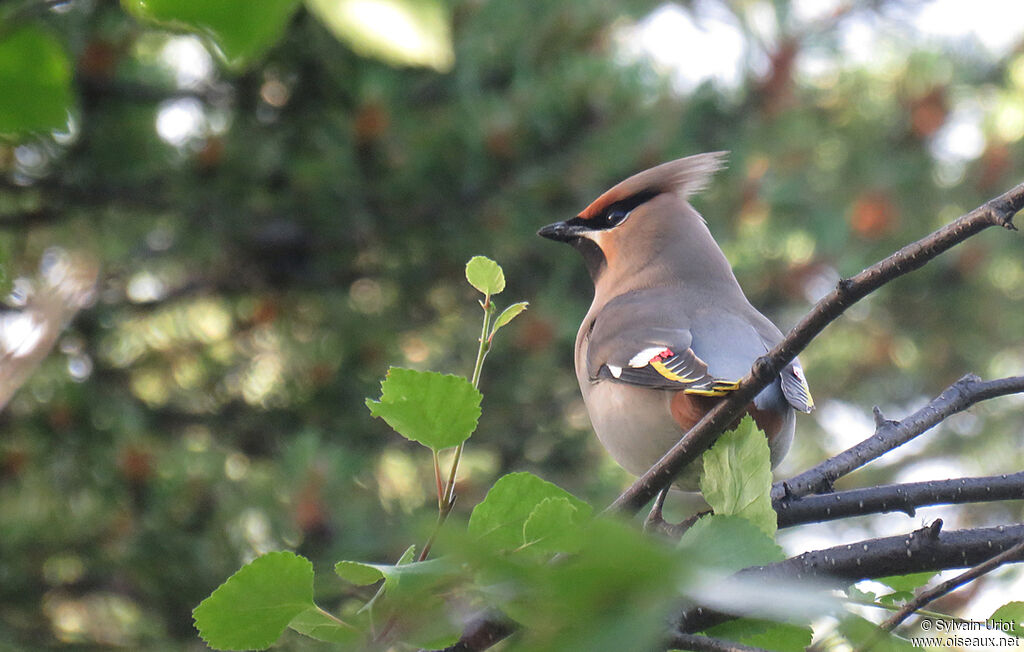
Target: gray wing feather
<point>634,323</point>
<point>795,389</point>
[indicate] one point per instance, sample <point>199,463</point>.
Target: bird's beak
<point>562,231</point>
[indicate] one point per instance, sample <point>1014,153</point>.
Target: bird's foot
<point>656,523</point>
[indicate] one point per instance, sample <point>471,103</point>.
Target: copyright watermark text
<point>982,634</point>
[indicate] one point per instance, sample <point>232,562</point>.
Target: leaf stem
<point>437,480</point>
<point>335,619</point>
<point>446,497</point>
<point>934,615</point>
<point>481,354</point>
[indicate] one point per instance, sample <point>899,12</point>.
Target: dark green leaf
<point>500,518</point>
<point>737,476</point>
<point>35,75</point>
<point>242,31</point>
<point>485,275</point>
<point>253,607</point>
<point>437,410</point>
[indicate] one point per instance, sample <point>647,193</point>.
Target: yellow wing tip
<point>667,373</point>
<point>706,392</point>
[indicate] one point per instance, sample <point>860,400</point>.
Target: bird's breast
<point>634,424</point>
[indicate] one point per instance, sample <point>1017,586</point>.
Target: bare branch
<point>923,550</point>
<point>796,510</point>
<point>1016,553</point>
<point>927,549</point>
<point>891,434</point>
<point>996,212</point>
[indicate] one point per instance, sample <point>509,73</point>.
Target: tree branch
<point>891,434</point>
<point>796,510</point>
<point>927,549</point>
<point>483,633</point>
<point>995,212</point>
<point>975,544</point>
<point>1016,553</point>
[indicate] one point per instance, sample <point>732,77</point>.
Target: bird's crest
<point>684,176</point>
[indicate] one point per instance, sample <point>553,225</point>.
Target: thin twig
<point>889,435</point>
<point>1016,553</point>
<point>996,212</point>
<point>796,510</point>
<point>447,496</point>
<point>926,549</point>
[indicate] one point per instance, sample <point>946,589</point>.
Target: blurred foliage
<point>36,77</point>
<point>272,238</point>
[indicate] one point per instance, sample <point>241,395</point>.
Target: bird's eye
<point>615,216</point>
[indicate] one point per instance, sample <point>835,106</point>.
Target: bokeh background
<point>268,235</point>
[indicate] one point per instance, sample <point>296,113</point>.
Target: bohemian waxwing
<point>669,329</point>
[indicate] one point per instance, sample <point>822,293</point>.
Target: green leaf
<point>858,595</point>
<point>1011,612</point>
<point>765,634</point>
<point>358,573</point>
<point>908,582</point>
<point>859,632</point>
<point>401,32</point>
<point>729,543</point>
<point>507,315</point>
<point>397,577</point>
<point>437,410</point>
<point>411,598</point>
<point>552,527</point>
<point>485,275</point>
<point>408,556</point>
<point>895,598</point>
<point>35,75</point>
<point>241,31</point>
<point>737,477</point>
<point>502,515</point>
<point>318,624</point>
<point>254,606</point>
<point>362,574</point>
<point>614,594</point>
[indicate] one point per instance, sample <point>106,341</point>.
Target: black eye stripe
<point>615,213</point>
